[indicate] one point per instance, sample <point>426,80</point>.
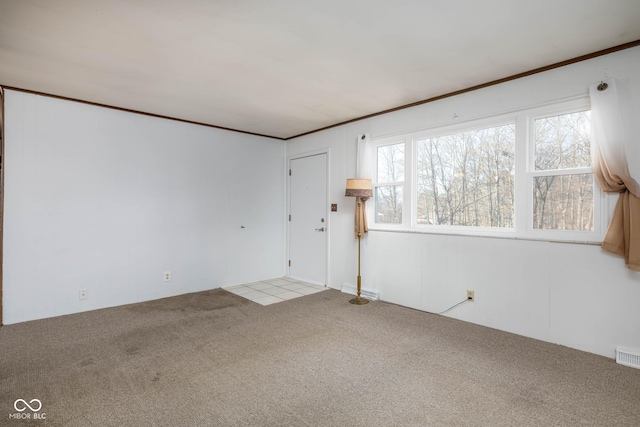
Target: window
<point>467,178</point>
<point>563,182</point>
<point>526,175</point>
<point>389,184</point>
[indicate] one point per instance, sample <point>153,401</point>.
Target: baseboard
<point>369,294</point>
<point>313,282</point>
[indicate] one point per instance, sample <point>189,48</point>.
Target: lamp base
<point>359,301</point>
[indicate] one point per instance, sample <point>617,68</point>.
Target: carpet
<point>215,359</point>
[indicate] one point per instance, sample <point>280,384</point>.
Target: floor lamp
<point>361,190</point>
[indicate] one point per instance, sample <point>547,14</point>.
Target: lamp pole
<point>359,300</point>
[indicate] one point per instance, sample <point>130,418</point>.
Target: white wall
<point>105,200</point>
<point>571,294</point>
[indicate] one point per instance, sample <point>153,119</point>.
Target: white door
<point>308,219</point>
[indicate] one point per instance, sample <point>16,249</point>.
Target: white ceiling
<point>285,67</point>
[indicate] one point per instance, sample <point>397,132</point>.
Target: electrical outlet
<point>167,276</point>
<point>83,294</point>
<point>471,296</point>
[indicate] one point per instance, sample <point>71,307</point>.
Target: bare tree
<point>390,170</point>
<point>467,178</point>
<point>563,201</point>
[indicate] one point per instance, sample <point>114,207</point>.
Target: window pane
<point>467,179</point>
<point>389,204</point>
<point>391,163</point>
<point>563,202</point>
<point>563,142</point>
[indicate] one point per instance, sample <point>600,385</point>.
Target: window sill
<point>501,234</point>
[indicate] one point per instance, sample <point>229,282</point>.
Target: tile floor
<point>272,291</point>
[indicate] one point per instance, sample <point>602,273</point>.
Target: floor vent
<point>364,293</point>
<point>627,357</point>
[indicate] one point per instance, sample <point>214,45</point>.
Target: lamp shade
<point>357,187</point>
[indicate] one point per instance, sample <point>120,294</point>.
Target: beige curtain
<point>612,140</point>
<point>361,226</point>
<point>363,171</point>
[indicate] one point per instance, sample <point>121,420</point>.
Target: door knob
<point>320,229</point>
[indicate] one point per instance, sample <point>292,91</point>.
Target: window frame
<point>446,131</point>
<point>524,122</point>
<point>376,185</point>
<point>599,199</point>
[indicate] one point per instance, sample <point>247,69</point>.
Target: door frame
<point>290,158</point>
<point>2,163</point>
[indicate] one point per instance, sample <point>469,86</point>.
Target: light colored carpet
<point>215,359</point>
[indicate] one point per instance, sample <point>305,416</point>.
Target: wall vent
<point>628,357</point>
